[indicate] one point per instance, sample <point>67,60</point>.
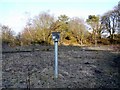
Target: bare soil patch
<point>79,67</point>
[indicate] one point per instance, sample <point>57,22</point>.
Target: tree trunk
<point>81,40</point>
<point>95,40</point>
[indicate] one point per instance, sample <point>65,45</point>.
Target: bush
<point>104,41</point>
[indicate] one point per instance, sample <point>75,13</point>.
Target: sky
<point>15,13</point>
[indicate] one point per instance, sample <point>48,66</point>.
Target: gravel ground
<point>79,67</point>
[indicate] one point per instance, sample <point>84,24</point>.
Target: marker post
<point>56,37</point>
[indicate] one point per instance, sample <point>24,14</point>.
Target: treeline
<point>72,30</point>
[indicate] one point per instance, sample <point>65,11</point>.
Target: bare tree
<point>38,28</point>
<point>94,22</point>
<point>78,30</point>
<point>109,21</point>
<point>43,22</point>
<point>118,21</point>
<point>7,35</point>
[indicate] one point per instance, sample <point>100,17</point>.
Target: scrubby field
<point>79,67</point>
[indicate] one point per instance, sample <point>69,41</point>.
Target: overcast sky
<point>15,13</point>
